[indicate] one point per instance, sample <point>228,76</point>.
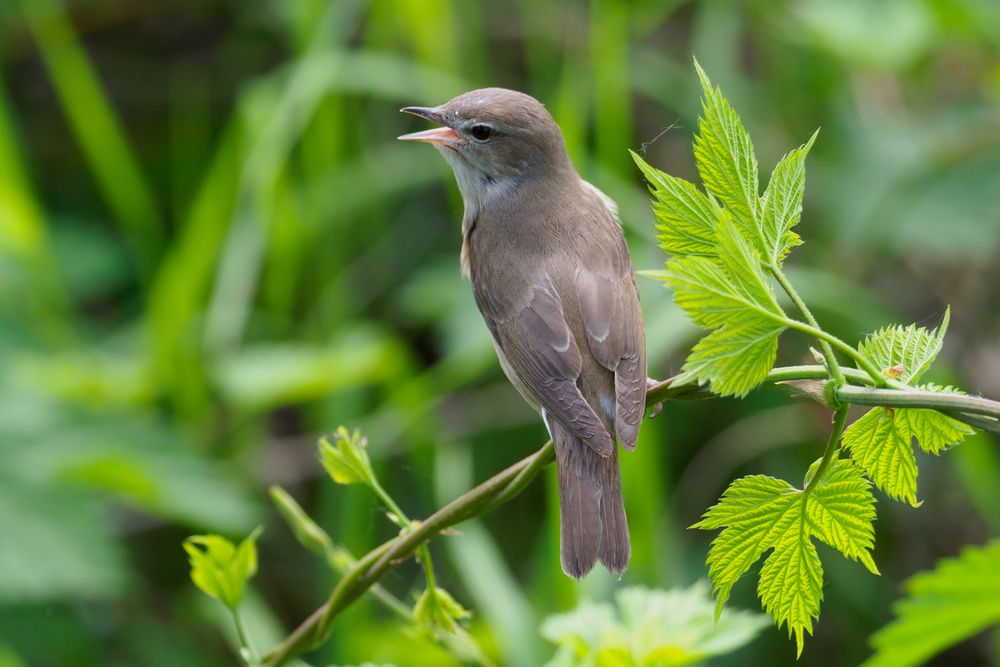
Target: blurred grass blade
<point>96,126</point>
<point>24,235</point>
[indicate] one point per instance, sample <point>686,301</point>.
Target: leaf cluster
<point>724,247</point>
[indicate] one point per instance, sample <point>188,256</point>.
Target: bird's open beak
<point>443,136</point>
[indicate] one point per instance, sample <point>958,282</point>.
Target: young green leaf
<point>781,205</point>
<point>220,568</point>
<point>880,443</point>
<point>733,297</point>
<point>725,158</point>
<point>437,609</point>
<point>685,216</point>
<point>913,348</point>
<point>345,459</point>
<point>759,513</point>
<point>651,628</point>
<point>959,598</point>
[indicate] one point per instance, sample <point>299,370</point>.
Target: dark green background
<point>212,249</point>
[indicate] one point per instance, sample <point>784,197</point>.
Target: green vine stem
<point>832,446</point>
<point>979,412</point>
<point>244,638</point>
<point>831,358</point>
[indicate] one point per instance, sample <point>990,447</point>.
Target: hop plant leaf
<point>725,158</point>
<point>760,513</point>
<point>881,440</point>
<point>781,205</point>
<point>685,216</point>
<point>957,599</point>
<point>345,458</point>
<point>648,627</point>
<point>733,297</point>
<point>220,568</point>
<point>913,348</point>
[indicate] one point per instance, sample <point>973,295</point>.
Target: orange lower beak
<point>443,136</point>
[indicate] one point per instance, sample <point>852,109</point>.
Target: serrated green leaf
<point>791,586</point>
<point>781,205</point>
<point>880,443</point>
<point>653,628</point>
<point>220,568</point>
<point>934,431</point>
<point>912,347</point>
<point>685,217</point>
<point>759,513</point>
<point>731,295</point>
<point>959,598</point>
<point>880,447</point>
<point>841,510</point>
<point>725,158</point>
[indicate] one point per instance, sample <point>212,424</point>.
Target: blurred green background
<point>212,249</point>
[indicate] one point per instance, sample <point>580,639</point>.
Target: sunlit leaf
<point>880,442</point>
<point>733,297</point>
<point>345,458</point>
<point>220,568</point>
<point>913,348</point>
<point>781,204</point>
<point>959,598</point>
<point>760,513</point>
<point>685,217</point>
<point>651,627</point>
<point>725,158</point>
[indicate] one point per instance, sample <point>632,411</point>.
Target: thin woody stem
<point>502,487</point>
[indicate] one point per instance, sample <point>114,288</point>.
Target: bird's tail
<point>591,509</point>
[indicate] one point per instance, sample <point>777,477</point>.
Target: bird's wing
<point>539,347</point>
<point>612,318</point>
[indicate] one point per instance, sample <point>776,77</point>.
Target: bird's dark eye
<point>481,132</point>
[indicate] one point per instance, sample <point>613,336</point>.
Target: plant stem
<point>918,398</point>
<point>244,637</point>
<point>832,445</point>
<point>825,338</point>
<point>831,358</point>
<point>508,483</point>
<point>424,552</point>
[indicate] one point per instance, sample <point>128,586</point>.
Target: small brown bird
<point>552,278</point>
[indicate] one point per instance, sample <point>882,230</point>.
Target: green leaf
<point>913,348</point>
<point>880,443</point>
<point>220,568</point>
<point>437,609</point>
<point>959,598</point>
<point>725,158</point>
<point>345,459</point>
<point>841,511</point>
<point>651,627</point>
<point>57,544</point>
<point>781,205</point>
<point>685,217</point>
<point>731,295</point>
<point>759,513</point>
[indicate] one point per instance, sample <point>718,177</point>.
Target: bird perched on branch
<point>552,277</point>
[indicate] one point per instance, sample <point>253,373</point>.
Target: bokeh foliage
<point>212,249</point>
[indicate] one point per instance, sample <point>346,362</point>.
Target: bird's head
<point>494,139</point>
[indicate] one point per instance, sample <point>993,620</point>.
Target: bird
<point>552,277</point>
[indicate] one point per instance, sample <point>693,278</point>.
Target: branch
<point>502,487</point>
